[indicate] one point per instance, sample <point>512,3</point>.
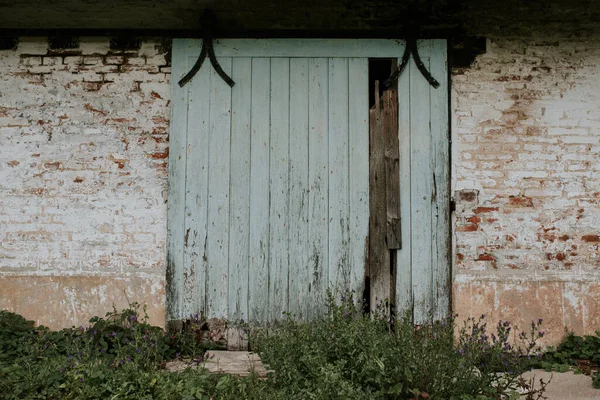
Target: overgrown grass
<point>349,355</point>
<point>344,355</point>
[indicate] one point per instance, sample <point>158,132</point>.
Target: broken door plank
<point>379,264</point>
<point>392,167</point>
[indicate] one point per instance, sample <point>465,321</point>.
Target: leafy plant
<point>348,354</point>
<point>573,348</point>
<point>16,334</point>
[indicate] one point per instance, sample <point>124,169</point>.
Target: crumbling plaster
<point>83,148</point>
<point>526,158</point>
<point>83,153</point>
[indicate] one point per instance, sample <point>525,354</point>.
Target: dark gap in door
<point>384,191</point>
<point>379,70</point>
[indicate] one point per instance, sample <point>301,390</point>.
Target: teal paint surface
<point>269,183</point>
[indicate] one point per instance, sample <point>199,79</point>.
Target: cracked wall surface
<point>84,144</point>
<point>83,179</point>
<point>526,151</point>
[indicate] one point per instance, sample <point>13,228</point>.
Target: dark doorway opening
<point>379,70</point>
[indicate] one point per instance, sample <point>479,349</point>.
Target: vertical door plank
<point>299,273</point>
<point>392,169</point>
<point>358,77</point>
<point>196,200</point>
<point>378,269</point>
<point>218,194</point>
<point>176,190</point>
<point>279,186</point>
<point>392,189</point>
<point>239,219</point>
<point>440,164</point>
<point>258,294</point>
<point>339,263</point>
<point>422,185</point>
<point>235,216</point>
<point>318,227</point>
<point>404,297</point>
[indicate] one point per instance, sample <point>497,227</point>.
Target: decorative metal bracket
<point>411,48</point>
<point>208,22</point>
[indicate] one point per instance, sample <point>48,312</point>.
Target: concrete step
<point>241,363</point>
<point>565,385</point>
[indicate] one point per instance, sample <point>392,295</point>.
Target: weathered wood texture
<point>241,363</point>
<point>392,168</point>
<point>384,222</point>
<point>269,204</point>
<point>423,266</point>
<point>269,180</point>
<point>379,255</point>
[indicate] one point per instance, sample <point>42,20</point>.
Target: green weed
<point>346,354</point>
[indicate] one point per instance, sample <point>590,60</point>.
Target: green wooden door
<point>269,182</point>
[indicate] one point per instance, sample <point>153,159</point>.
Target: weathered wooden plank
<point>237,337</point>
<point>196,200</point>
<point>379,261</point>
<point>441,174</point>
<point>366,48</point>
<point>176,190</point>
<point>422,185</point>
<point>404,293</point>
<point>239,218</point>
<point>318,227</point>
<point>258,295</point>
<point>358,106</point>
<point>279,184</point>
<point>299,273</point>
<point>339,204</point>
<point>217,251</point>
<point>392,186</point>
<point>392,168</point>
<point>299,181</point>
<point>241,363</point>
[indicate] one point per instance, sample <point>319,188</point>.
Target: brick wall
<point>83,152</point>
<point>526,164</point>
<point>84,143</point>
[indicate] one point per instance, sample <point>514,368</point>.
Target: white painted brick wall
<point>526,137</point>
<point>83,157</point>
<point>84,142</point>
